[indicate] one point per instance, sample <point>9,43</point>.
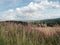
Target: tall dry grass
<point>17,34</point>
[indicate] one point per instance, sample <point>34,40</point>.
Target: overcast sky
<point>29,9</point>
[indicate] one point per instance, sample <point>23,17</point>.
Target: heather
<point>12,33</point>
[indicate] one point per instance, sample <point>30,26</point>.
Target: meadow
<point>18,34</point>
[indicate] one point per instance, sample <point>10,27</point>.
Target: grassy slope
<point>17,34</point>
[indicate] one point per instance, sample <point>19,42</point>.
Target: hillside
<point>23,33</point>
<point>30,33</point>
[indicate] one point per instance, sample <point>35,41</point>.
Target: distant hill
<point>48,22</point>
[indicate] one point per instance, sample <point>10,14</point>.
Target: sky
<point>29,9</point>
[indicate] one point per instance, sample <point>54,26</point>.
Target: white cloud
<point>54,5</point>
<point>40,0</point>
<point>11,10</point>
<point>33,11</point>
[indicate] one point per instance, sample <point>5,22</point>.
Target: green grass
<point>15,34</point>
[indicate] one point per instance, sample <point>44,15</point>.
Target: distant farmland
<point>29,33</point>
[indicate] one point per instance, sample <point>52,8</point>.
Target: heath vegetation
<point>22,33</point>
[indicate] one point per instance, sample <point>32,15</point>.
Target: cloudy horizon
<point>29,9</point>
